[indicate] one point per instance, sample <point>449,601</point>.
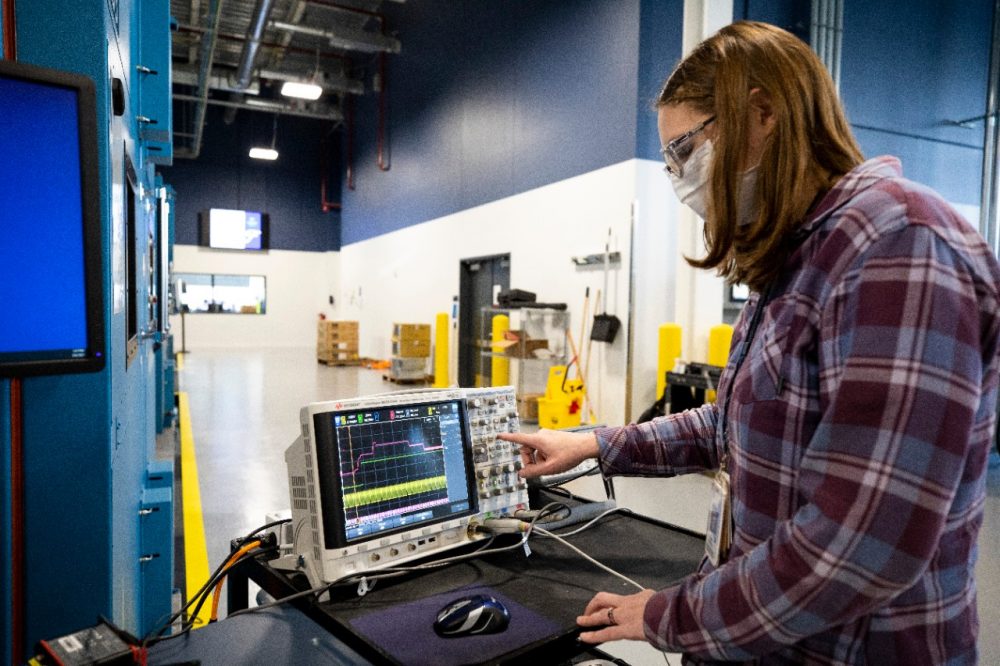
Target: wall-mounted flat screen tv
<point>51,263</point>
<point>226,229</point>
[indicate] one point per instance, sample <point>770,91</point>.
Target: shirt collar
<point>854,181</point>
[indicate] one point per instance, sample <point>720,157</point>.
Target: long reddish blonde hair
<point>810,147</point>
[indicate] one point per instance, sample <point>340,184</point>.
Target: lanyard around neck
<point>758,314</point>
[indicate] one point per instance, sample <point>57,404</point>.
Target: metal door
<point>481,279</point>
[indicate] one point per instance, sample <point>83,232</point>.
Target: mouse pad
<point>406,631</point>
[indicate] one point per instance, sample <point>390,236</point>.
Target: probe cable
<point>393,572</point>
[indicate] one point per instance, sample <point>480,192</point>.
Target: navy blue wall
<point>910,67</point>
<point>659,52</point>
<point>489,99</point>
<point>288,189</point>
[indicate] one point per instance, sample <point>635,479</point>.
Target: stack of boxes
<point>337,342</point>
<point>411,347</point>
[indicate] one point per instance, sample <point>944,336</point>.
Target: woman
<point>855,413</point>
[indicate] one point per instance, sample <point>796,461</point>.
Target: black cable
<point>266,527</point>
<point>201,597</point>
<point>202,591</point>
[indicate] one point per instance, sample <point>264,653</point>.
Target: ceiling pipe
<point>267,106</point>
<point>244,71</point>
<point>208,42</point>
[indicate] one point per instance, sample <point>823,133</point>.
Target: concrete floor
<point>245,410</point>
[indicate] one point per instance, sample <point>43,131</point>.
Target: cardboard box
<point>337,329</point>
<point>404,332</point>
<point>518,344</point>
<point>411,348</point>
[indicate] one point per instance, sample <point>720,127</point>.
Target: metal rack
<point>528,366</point>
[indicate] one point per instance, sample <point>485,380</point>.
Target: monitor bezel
<point>330,500</point>
<point>57,362</point>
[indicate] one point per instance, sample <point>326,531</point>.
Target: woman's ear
<point>761,109</point>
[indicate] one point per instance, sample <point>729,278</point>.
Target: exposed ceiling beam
<point>220,80</point>
<point>350,39</point>
<point>267,106</point>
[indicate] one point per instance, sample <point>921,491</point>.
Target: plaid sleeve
<point>674,444</point>
<point>901,366</point>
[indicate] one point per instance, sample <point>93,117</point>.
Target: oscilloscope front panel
<point>376,450</point>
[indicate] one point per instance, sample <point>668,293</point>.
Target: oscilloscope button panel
<point>493,411</point>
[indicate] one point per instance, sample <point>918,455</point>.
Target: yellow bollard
<point>669,350</point>
<point>441,350</point>
<point>499,366</point>
<point>719,339</point>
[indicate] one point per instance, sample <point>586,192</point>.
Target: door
<point>481,279</point>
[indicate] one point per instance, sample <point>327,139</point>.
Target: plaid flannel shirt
<point>858,429</point>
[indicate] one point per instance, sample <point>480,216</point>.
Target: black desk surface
<point>553,582</point>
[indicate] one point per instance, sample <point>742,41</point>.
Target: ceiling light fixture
<point>263,153</point>
<point>309,91</point>
<point>260,153</point>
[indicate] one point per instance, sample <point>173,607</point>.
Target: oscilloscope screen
<point>392,469</point>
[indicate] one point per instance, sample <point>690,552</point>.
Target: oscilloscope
<point>381,480</point>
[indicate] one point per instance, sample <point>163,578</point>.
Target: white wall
<point>413,273</point>
<point>298,286</point>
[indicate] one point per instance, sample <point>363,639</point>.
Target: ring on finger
<point>611,616</point>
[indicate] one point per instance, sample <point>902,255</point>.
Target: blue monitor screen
<point>43,257</point>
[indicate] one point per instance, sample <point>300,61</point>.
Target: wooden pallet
<point>401,381</point>
<point>339,362</point>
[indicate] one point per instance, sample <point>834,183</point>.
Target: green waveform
<point>386,493</point>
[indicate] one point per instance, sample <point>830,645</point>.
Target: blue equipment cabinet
<point>98,506</point>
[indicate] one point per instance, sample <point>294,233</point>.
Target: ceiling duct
<point>244,71</point>
<point>205,58</point>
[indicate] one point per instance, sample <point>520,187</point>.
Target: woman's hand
<point>626,613</point>
<point>552,451</point>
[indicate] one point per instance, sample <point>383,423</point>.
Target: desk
<point>553,582</point>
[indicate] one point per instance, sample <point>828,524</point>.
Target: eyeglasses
<point>676,153</point>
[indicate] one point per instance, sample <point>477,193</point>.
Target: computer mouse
<point>477,614</point>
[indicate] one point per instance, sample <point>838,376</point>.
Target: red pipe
<point>16,439</point>
<point>382,159</point>
<point>9,31</point>
<point>16,521</point>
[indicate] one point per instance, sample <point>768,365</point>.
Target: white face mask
<point>692,187</point>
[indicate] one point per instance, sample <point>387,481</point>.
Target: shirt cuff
<point>658,612</point>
